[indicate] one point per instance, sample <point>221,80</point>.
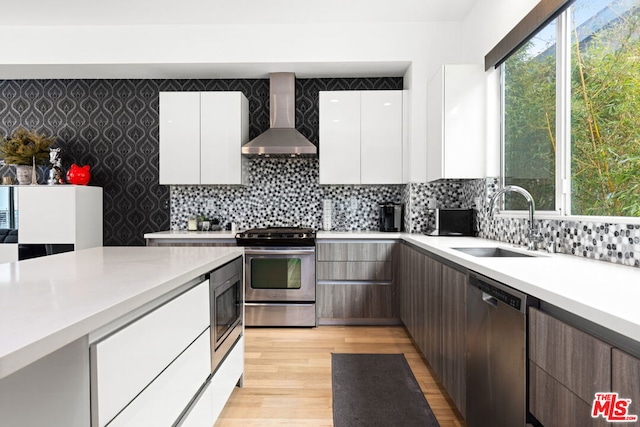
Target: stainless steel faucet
<point>533,236</point>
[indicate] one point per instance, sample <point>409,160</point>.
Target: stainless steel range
<point>280,276</point>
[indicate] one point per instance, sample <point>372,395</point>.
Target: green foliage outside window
<point>530,116</point>
<point>605,112</point>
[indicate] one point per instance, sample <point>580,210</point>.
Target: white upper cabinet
<point>381,137</point>
<point>224,128</point>
<point>340,137</point>
<point>179,137</point>
<point>201,135</point>
<point>455,123</point>
<point>361,137</point>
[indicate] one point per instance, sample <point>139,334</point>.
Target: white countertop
<point>48,302</point>
<point>183,234</point>
<point>599,291</point>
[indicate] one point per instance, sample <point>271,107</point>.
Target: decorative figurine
<point>55,174</point>
<point>78,175</point>
<point>34,177</point>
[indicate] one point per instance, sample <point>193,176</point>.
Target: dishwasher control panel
<point>500,294</point>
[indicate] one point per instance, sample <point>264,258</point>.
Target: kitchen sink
<point>493,252</point>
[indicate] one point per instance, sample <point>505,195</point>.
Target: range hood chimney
<point>282,139</point>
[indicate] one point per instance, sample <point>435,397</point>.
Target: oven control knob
<point>301,235</point>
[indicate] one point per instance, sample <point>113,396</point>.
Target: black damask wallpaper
<point>112,125</point>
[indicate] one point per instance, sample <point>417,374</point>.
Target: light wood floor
<point>287,380</point>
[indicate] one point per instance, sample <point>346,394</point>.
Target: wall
<point>112,125</point>
<point>234,51</point>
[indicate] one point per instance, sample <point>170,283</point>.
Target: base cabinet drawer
<point>127,361</point>
<point>355,270</point>
<point>355,301</point>
<point>577,360</point>
<point>554,405</point>
<point>355,251</point>
<point>211,401</point>
<point>162,402</point>
<point>625,378</point>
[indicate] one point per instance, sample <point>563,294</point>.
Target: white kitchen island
<point>53,308</point>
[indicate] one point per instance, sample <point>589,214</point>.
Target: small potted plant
<point>203,223</point>
<point>25,149</point>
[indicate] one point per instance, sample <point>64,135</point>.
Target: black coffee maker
<point>390,216</point>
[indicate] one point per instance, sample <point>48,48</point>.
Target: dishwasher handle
<point>492,301</point>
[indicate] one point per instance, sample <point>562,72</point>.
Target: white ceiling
<point>54,13</point>
<point>212,12</point>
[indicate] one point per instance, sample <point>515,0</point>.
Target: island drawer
<point>127,361</point>
<point>213,398</point>
<point>162,402</point>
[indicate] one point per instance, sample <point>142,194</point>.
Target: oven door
<point>280,274</point>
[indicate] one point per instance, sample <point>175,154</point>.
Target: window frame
<point>562,135</point>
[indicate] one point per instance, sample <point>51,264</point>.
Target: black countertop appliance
<point>390,216</point>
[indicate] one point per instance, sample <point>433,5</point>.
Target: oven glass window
<point>227,310</point>
<point>276,273</point>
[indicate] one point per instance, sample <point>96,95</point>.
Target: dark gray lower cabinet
<point>433,315</point>
<point>567,368</point>
<point>554,405</point>
<point>433,309</point>
<point>413,295</point>
<point>625,378</point>
<point>356,282</point>
<point>454,333</point>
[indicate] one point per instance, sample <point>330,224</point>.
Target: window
<point>529,121</point>
<point>572,112</point>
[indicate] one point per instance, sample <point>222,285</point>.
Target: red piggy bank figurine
<point>78,175</point>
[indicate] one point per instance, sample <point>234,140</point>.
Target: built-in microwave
<point>227,309</point>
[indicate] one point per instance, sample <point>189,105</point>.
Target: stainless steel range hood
<point>282,139</point>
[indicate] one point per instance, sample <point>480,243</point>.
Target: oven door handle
<point>277,251</point>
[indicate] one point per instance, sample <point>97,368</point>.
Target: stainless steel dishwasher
<point>496,353</point>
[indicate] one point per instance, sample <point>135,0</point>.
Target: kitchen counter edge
<point>52,303</point>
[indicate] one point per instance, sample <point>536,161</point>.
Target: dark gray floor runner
<point>377,390</point>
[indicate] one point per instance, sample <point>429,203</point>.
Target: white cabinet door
<point>340,137</point>
<point>455,120</point>
<point>179,138</point>
<point>435,127</point>
<point>381,137</point>
<point>224,120</point>
<point>34,202</point>
<point>78,215</point>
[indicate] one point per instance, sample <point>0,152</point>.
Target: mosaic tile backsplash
<point>613,242</point>
<point>283,192</point>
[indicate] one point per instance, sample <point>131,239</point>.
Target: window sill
<point>554,216</point>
